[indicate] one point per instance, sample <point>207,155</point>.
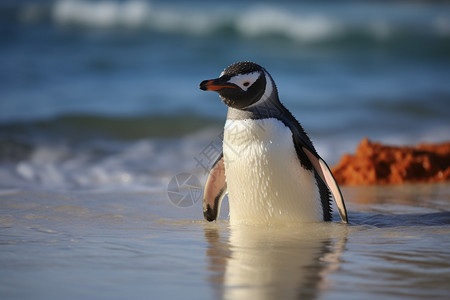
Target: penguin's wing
<point>215,190</point>
<point>325,173</point>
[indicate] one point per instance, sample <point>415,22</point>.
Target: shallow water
<point>131,245</point>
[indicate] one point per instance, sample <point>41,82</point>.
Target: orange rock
<point>374,163</point>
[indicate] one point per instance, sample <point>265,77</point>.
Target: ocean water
<point>100,111</point>
<point>133,245</point>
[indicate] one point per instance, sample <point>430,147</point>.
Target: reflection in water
<point>289,262</point>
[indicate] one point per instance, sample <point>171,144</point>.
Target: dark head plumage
<point>240,85</point>
<point>242,67</point>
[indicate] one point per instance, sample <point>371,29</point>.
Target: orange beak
<point>215,85</point>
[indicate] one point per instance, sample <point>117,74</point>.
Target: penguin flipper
<point>325,173</point>
<point>215,190</point>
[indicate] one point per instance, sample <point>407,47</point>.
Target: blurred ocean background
<point>105,93</point>
<point>100,109</point>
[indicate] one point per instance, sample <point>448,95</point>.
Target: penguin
<point>268,167</point>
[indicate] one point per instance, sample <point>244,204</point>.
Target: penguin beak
<point>215,85</point>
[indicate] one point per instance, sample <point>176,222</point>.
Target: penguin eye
<point>244,81</point>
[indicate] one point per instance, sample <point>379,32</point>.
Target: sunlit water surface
<point>105,245</point>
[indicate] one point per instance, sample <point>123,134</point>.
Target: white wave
<point>150,164</point>
<point>60,167</point>
<point>133,14</point>
<point>267,20</point>
<point>105,13</point>
<point>298,24</point>
<point>253,21</point>
<point>196,23</point>
<point>136,165</point>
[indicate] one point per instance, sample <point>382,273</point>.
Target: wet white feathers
<point>265,181</point>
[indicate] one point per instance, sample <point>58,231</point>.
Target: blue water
<point>344,63</point>
<point>100,108</point>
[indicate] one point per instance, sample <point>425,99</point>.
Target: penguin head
<point>240,85</point>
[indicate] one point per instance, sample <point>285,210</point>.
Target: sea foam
<point>300,24</point>
<point>101,14</point>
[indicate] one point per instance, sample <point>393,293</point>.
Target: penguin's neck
<point>269,108</point>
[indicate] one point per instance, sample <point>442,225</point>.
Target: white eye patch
<point>244,81</point>
<point>267,92</point>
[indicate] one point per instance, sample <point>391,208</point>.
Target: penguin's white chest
<point>265,181</point>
